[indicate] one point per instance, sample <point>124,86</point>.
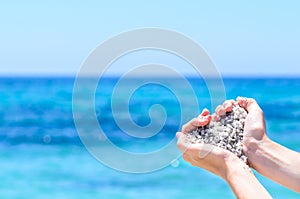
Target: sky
<point>243,38</point>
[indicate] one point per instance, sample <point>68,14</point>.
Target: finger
<point>215,117</point>
<point>182,143</point>
<point>255,115</point>
<point>188,127</point>
<point>220,110</point>
<point>205,112</point>
<point>195,123</point>
<point>202,121</point>
<point>228,104</point>
<point>242,102</point>
<point>248,103</point>
<point>179,135</point>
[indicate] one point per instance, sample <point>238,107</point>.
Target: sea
<point>43,155</point>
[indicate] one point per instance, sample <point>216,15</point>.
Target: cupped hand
<point>206,156</point>
<point>255,126</point>
<point>254,129</point>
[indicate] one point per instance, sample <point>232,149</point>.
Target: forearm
<point>243,182</point>
<point>276,163</point>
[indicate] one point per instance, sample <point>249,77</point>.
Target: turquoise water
<point>43,157</point>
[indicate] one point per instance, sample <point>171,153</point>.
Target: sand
<point>226,133</point>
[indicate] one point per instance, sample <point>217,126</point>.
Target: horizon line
<point>283,76</point>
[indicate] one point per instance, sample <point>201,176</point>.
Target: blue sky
<point>242,37</point>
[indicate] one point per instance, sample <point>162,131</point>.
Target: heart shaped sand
<point>226,133</point>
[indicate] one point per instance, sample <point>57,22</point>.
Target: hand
<point>255,127</point>
<point>206,156</point>
<point>219,161</point>
<point>269,158</point>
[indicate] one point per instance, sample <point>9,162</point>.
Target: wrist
<point>252,147</point>
<point>234,167</point>
<point>243,182</point>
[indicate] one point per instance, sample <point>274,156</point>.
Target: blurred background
<point>254,45</point>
